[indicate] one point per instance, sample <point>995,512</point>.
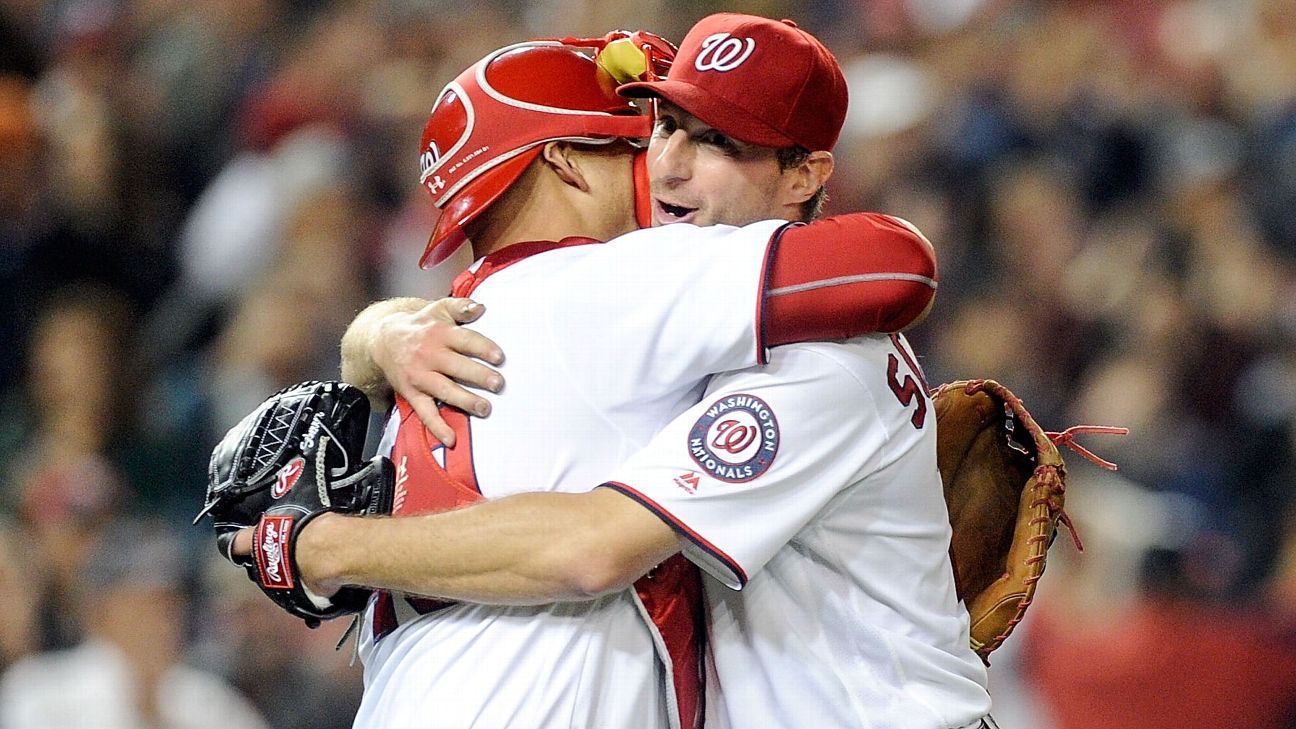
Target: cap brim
<point>725,116</point>
<point>448,233</point>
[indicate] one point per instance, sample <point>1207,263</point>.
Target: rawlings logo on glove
<point>298,455</point>
<point>272,551</point>
<point>287,477</point>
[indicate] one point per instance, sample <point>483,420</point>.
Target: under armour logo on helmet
<point>723,52</point>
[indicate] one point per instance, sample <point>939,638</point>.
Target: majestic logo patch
<point>688,481</point>
<point>272,551</point>
<point>287,477</point>
<point>736,439</point>
<point>722,52</point>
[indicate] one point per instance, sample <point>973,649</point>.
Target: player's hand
<point>427,357</point>
<point>242,546</point>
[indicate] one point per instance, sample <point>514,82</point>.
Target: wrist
<point>317,562</point>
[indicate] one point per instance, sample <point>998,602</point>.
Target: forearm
<point>525,549</point>
<point>358,365</point>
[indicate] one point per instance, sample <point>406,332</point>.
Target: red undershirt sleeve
<point>846,276</point>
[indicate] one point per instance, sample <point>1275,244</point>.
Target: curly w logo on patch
<point>736,439</point>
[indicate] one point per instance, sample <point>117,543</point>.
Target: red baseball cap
<point>760,81</point>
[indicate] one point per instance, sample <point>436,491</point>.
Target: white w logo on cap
<point>723,52</point>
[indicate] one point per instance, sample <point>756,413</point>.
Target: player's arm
<point>526,549</point>
<point>415,348</point>
<point>767,448</point>
<point>715,298</point>
<point>544,547</point>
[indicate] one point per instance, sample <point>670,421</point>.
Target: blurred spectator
<point>129,672</point>
<point>18,599</point>
<point>73,403</point>
<point>83,399</point>
<point>64,512</point>
<point>1170,659</point>
<point>298,678</point>
<point>288,324</point>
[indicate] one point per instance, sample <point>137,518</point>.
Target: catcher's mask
<point>488,124</point>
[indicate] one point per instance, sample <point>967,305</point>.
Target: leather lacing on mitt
<point>1005,487</point>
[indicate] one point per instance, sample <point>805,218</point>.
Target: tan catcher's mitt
<point>1005,486</point>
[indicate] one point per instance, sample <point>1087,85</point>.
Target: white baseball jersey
<point>809,490</point>
<point>612,341</point>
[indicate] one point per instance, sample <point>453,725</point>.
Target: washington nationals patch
<point>736,439</point>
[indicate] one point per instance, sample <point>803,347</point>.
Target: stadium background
<point>196,196</point>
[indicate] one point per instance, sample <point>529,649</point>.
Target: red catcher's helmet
<point>491,122</point>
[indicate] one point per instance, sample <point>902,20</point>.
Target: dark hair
<point>789,157</point>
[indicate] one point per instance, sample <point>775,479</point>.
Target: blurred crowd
<point>197,196</point>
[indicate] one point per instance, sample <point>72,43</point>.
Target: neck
<point>526,228</point>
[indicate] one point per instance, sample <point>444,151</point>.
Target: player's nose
<point>670,159</point>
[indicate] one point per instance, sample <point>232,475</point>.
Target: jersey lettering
<point>906,391</point>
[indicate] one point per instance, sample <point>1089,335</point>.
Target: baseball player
<point>724,296</point>
<point>807,489</point>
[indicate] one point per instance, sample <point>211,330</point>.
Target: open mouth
<point>671,213</point>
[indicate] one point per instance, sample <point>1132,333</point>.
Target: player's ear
<point>805,179</point>
<point>566,161</point>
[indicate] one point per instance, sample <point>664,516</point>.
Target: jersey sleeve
<point>766,449</point>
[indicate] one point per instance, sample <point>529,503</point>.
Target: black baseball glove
<point>298,455</point>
